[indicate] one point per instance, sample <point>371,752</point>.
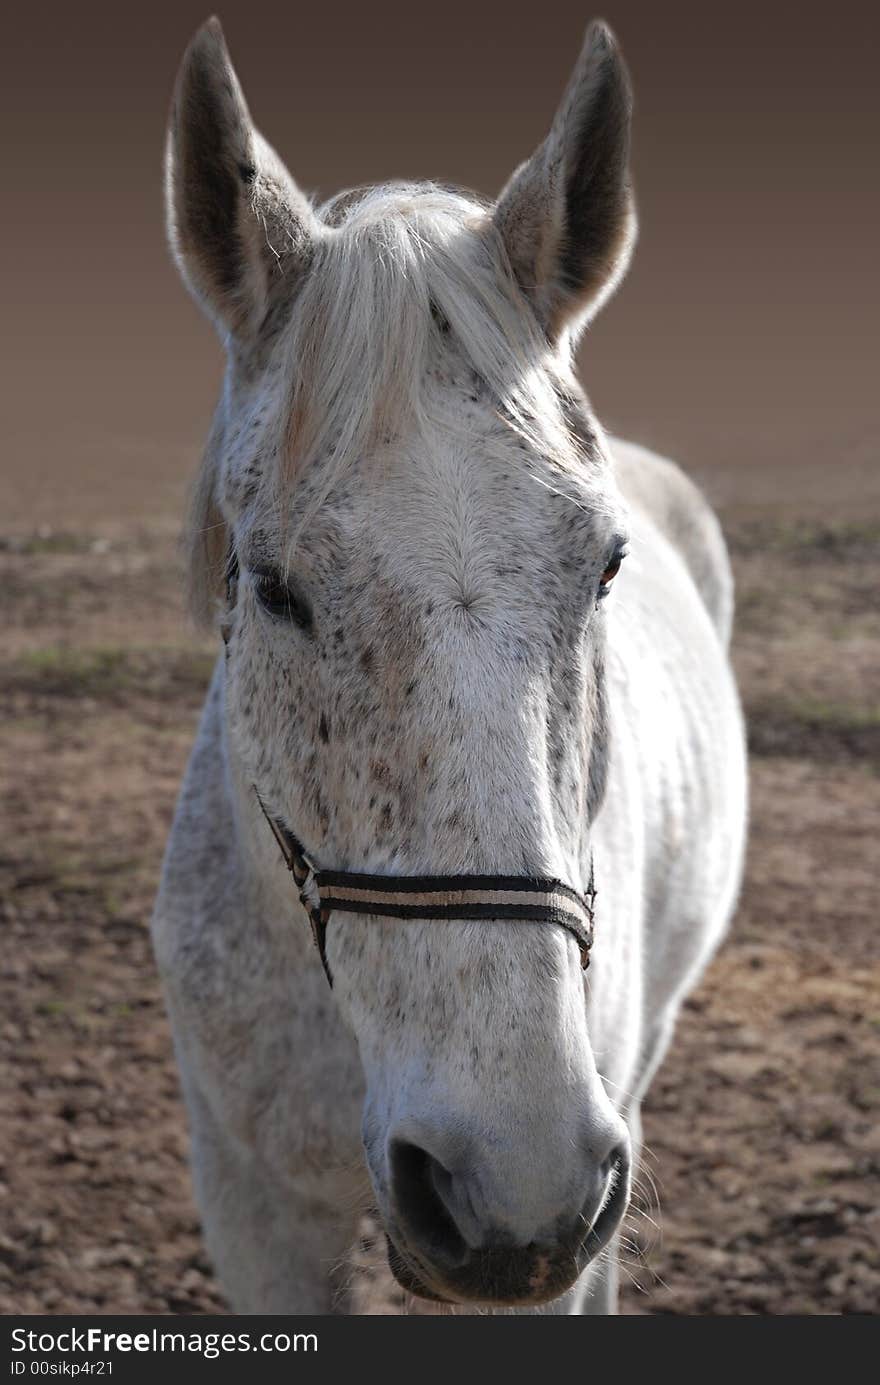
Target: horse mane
<point>396,269</point>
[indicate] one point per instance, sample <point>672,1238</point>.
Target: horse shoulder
<point>677,774</point>
<point>255,1030</point>
<point>199,864</point>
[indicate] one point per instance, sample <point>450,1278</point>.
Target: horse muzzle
<point>450,1240</point>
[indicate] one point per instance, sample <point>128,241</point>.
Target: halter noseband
<point>519,898</point>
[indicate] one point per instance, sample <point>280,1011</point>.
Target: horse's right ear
<point>239,228</point>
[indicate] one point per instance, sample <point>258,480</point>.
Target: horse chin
<point>408,1279</point>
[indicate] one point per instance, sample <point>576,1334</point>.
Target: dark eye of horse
<point>610,573</point>
<point>280,599</point>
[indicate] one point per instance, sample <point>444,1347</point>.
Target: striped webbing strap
<point>518,898</point>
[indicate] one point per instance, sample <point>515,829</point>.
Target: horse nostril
<point>604,1209</point>
<point>618,1160</point>
<point>418,1181</point>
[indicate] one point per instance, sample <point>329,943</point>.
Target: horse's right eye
<point>279,598</point>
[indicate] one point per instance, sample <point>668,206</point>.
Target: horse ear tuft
<point>567,217</point>
<point>239,228</point>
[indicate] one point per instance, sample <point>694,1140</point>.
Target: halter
<point>519,898</point>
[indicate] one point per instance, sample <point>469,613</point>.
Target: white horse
<point>407,526</point>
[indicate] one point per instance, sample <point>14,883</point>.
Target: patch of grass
<point>108,673</point>
<point>51,1008</point>
<point>838,540</point>
<point>846,715</point>
<point>816,730</point>
<point>48,540</point>
<point>69,672</point>
<point>95,881</point>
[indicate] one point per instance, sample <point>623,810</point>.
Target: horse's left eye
<point>610,573</point>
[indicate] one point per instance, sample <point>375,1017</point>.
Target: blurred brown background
<point>745,333</point>
<point>743,343</point>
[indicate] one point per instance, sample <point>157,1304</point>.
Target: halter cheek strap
<point>519,898</point>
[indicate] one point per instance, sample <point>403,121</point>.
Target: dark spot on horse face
<point>579,421</point>
<point>366,660</point>
<point>247,172</point>
<point>380,771</point>
<point>324,729</point>
<point>440,318</point>
<point>386,821</point>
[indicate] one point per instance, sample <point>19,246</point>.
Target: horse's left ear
<point>567,217</point>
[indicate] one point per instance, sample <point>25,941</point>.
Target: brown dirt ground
<point>761,1191</point>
